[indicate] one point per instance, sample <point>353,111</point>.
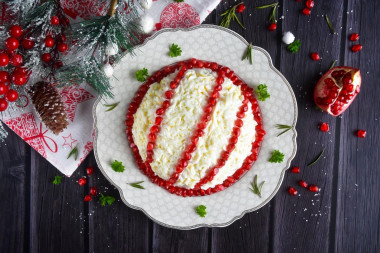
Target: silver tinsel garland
<point>3,133</point>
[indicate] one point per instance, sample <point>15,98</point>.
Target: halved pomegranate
<point>336,89</point>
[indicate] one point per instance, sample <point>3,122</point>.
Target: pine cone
<point>49,106</point>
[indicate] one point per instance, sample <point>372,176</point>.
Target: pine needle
<point>111,106</point>
<point>286,127</point>
<point>329,24</point>
<point>256,189</point>
<point>248,54</point>
<point>74,152</point>
<point>137,185</point>
<point>316,159</point>
<point>332,64</point>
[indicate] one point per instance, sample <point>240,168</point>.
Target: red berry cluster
<point>309,5</point>
<point>355,48</point>
<point>82,181</point>
<point>302,183</point>
<point>12,72</point>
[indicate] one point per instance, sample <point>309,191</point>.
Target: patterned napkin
<point>79,100</point>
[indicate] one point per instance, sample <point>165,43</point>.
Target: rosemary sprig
<point>272,17</point>
<point>256,189</point>
<point>229,15</point>
<point>248,54</point>
<point>74,152</point>
<point>286,127</point>
<point>329,24</point>
<point>137,185</point>
<point>111,106</point>
<point>319,156</point>
<point>332,64</point>
<point>266,6</point>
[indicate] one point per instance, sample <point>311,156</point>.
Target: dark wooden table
<point>37,216</point>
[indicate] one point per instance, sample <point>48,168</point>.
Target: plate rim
<point>286,167</point>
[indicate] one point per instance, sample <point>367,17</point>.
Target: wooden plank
<point>358,201</point>
<point>13,186</point>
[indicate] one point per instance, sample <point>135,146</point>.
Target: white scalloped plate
<point>225,47</point>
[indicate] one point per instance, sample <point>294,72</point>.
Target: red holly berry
<point>354,37</point>
<point>54,20</point>
<point>19,78</point>
<point>313,188</point>
<point>49,42</point>
<point>16,60</point>
<point>46,57</point>
<point>306,11</point>
<point>324,127</point>
<point>12,95</point>
<point>240,8</point>
<point>3,88</point>
<point>62,37</point>
<point>292,191</point>
<point>12,43</point>
<point>3,104</point>
<point>87,198</point>
<point>314,56</point>
<point>93,191</point>
<point>27,43</point>
<point>62,47</point>
<point>361,133</point>
<point>15,31</point>
<point>22,71</point>
<point>302,183</point>
<point>89,170</point>
<point>356,48</point>
<point>309,4</point>
<point>82,181</point>
<point>272,27</point>
<point>4,60</point>
<point>4,76</point>
<point>295,170</point>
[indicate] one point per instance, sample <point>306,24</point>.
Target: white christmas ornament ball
<point>288,38</point>
<point>146,4</point>
<point>108,70</point>
<point>147,24</point>
<point>111,49</point>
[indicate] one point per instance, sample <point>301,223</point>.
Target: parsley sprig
<point>111,106</point>
<point>318,157</point>
<point>277,157</point>
<point>118,166</point>
<point>106,200</point>
<point>248,54</point>
<point>174,50</point>
<point>262,92</point>
<point>137,185</point>
<point>229,15</point>
<point>142,75</point>
<point>73,152</point>
<point>201,210</point>
<point>286,127</point>
<point>256,189</point>
<point>57,180</point>
<point>294,47</point>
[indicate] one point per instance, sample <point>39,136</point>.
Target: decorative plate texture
<point>211,43</point>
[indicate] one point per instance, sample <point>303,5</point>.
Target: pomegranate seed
<point>306,11</point>
<point>158,121</point>
<point>324,127</point>
<point>295,170</point>
<point>292,191</point>
<point>313,188</point>
<point>89,170</point>
<point>240,8</point>
<point>356,48</point>
<point>354,37</point>
<point>87,198</point>
<point>272,27</point>
<point>302,183</point>
<point>169,94</point>
<point>93,191</point>
<point>160,111</point>
<point>314,56</point>
<point>309,4</point>
<point>361,133</point>
<point>82,181</point>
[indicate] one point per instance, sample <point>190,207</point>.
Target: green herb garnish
<point>293,47</point>
<point>118,166</point>
<point>248,54</point>
<point>230,15</point>
<point>266,6</point>
<point>142,75</point>
<point>74,152</point>
<point>262,92</point>
<point>319,156</point>
<point>329,24</point>
<point>272,17</point>
<point>57,180</point>
<point>286,127</point>
<point>277,157</point>
<point>332,64</point>
<point>111,106</point>
<point>201,210</point>
<point>256,189</point>
<point>174,50</point>
<point>106,200</point>
<point>178,1</point>
<point>137,185</point>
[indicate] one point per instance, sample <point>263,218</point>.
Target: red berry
<point>93,191</point>
<point>292,191</point>
<point>309,4</point>
<point>49,42</point>
<point>314,56</point>
<point>11,43</point>
<point>306,11</point>
<point>302,183</point>
<point>4,60</point>
<point>295,169</point>
<point>3,89</point>
<point>324,127</point>
<point>27,43</point>
<point>58,64</point>
<point>313,188</point>
<point>354,37</point>
<point>240,8</point>
<point>19,79</point>
<point>87,198</point>
<point>22,71</point>
<point>361,133</point>
<point>16,60</point>
<point>89,170</point>
<point>272,27</point>
<point>3,104</point>
<point>12,95</point>
<point>62,37</point>
<point>4,77</point>
<point>46,57</point>
<point>356,48</point>
<point>54,20</point>
<point>82,181</point>
<point>62,47</point>
<point>15,31</point>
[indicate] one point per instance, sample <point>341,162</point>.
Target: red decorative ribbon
<point>43,137</point>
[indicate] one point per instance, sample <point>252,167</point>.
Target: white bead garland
<point>147,24</point>
<point>108,69</point>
